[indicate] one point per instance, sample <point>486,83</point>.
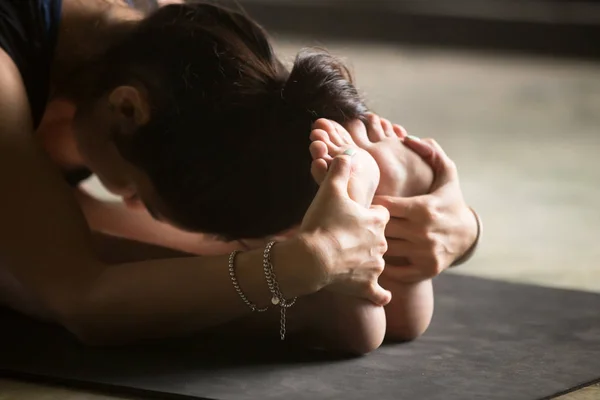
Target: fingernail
<point>412,137</point>
<point>350,152</point>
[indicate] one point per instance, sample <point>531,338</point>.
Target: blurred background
<point>510,88</point>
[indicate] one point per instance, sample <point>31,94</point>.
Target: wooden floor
<point>525,135</point>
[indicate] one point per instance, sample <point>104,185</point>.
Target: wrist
<point>304,260</point>
<point>475,229</point>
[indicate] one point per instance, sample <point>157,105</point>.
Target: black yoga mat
<point>489,340</point>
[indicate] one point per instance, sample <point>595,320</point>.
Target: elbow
<point>89,336</point>
<point>85,330</point>
<point>87,326</point>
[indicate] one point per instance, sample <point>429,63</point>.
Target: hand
<point>428,233</point>
<point>347,238</point>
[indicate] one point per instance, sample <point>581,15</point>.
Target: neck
<point>88,28</point>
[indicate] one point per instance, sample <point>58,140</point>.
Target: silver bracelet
<point>278,299</point>
<point>236,285</point>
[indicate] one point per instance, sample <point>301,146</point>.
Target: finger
<point>406,274</point>
<point>411,213</point>
<point>403,230</point>
<point>338,175</point>
<point>398,207</point>
<point>432,153</point>
<point>380,296</point>
<point>396,261</point>
<point>398,247</point>
<point>381,213</point>
<point>446,165</point>
<point>421,147</point>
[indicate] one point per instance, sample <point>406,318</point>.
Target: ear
<point>130,107</point>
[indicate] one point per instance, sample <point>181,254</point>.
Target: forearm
<point>115,220</point>
<point>168,297</point>
<point>116,250</point>
<point>409,313</point>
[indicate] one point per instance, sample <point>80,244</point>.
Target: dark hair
<point>227,144</point>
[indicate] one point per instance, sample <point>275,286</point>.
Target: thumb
<point>431,152</point>
<point>338,175</point>
<point>381,297</point>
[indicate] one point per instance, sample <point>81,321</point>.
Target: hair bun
<point>321,85</point>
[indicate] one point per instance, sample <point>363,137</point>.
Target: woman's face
<point>95,127</point>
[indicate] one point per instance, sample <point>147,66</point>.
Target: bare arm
<point>50,253</point>
<point>49,250</point>
<point>115,219</point>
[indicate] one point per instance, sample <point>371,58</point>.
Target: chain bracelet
<point>236,285</point>
<point>277,298</point>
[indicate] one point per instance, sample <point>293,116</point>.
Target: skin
<point>410,311</point>
<point>51,266</point>
<point>79,135</point>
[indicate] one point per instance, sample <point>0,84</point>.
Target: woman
<point>138,98</point>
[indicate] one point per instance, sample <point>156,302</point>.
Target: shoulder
<point>14,105</point>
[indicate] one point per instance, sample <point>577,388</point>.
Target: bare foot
<point>402,172</point>
<point>343,322</point>
<point>328,144</point>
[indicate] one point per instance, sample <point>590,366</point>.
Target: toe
<point>400,131</point>
<point>329,127</point>
<point>318,149</point>
<point>344,134</point>
<point>374,129</point>
<point>322,136</point>
<point>318,169</point>
<point>358,132</point>
<point>388,128</point>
